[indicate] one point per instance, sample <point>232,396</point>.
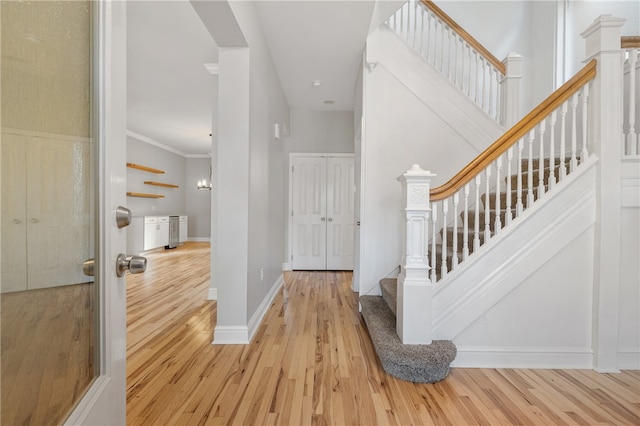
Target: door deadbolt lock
<point>123,216</point>
<point>88,267</point>
<point>133,264</point>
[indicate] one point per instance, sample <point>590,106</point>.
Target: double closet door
<point>323,213</point>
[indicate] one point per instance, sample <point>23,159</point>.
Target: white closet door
<point>309,213</point>
<point>340,213</point>
<point>58,210</point>
<point>13,275</point>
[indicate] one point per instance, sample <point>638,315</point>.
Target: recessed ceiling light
<point>316,83</point>
<point>329,102</point>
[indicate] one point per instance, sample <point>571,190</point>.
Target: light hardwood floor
<point>312,362</point>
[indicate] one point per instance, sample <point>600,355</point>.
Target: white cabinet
<point>162,237</point>
<point>184,226</point>
<point>150,233</point>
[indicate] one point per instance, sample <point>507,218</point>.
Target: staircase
<point>430,363</point>
<point>470,243</point>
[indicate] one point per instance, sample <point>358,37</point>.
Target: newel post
<point>605,139</point>
<point>414,310</point>
<point>510,90</point>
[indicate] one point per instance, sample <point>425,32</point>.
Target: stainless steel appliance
<point>174,231</point>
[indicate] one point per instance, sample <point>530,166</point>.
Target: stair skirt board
<point>413,363</point>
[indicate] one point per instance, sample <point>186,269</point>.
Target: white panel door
<point>340,213</point>
<point>309,213</point>
<point>323,213</point>
<point>13,275</point>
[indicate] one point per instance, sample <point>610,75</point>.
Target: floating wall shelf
<point>145,168</point>
<point>166,185</point>
<point>140,194</point>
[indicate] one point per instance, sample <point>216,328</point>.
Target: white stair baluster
<point>454,240</point>
<point>445,210</point>
<point>532,136</point>
<point>491,99</point>
<point>465,224</point>
<point>632,137</point>
<point>477,74</point>
<point>487,207</point>
<point>541,129</point>
<point>563,138</point>
<point>434,223</point>
<point>476,222</point>
<point>574,133</point>
<point>455,61</point>
<point>552,150</point>
<point>498,221</point>
<point>585,101</point>
<point>414,19</point>
<point>483,86</point>
<point>509,213</point>
<point>519,206</point>
<point>449,54</point>
<point>420,18</point>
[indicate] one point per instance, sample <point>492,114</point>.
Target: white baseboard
<point>231,335</point>
<point>258,316</point>
<point>240,334</point>
<point>199,239</point>
<point>629,358</point>
<point>286,266</point>
<point>509,357</point>
<point>213,294</point>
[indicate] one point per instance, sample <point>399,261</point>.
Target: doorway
<point>322,211</point>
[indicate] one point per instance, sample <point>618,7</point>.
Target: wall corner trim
<point>258,316</point>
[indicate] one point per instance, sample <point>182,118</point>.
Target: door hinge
<point>292,258</point>
<point>291,169</point>
<point>291,213</point>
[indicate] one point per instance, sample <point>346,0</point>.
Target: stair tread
<point>414,363</point>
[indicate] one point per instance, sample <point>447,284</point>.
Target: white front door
<point>63,175</point>
<point>105,401</point>
<point>322,212</point>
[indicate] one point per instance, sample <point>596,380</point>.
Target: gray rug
<point>414,363</point>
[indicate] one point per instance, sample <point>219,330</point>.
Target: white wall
<point>581,14</point>
<point>250,221</point>
<point>320,131</point>
<point>198,202</point>
<point>530,29</point>
<point>174,165</point>
<point>545,321</point>
<point>401,128</point>
<point>629,314</point>
<point>181,171</point>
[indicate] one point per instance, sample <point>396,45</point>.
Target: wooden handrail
<point>627,42</point>
<point>514,134</point>
<point>466,36</point>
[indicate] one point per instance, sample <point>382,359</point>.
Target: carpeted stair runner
<point>414,363</point>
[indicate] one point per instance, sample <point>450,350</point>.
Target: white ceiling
<point>170,93</point>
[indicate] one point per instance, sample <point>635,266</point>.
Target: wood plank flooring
<point>312,362</point>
